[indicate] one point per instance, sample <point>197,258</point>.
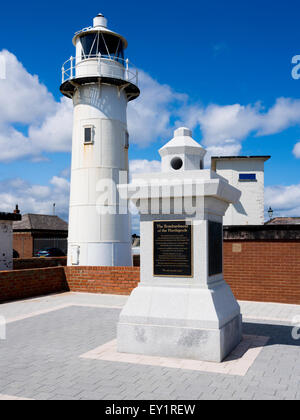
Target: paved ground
<point>46,337</point>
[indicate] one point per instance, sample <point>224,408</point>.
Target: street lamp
<point>270,213</point>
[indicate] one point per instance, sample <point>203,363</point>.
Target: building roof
<point>40,222</point>
<point>101,29</point>
<point>265,158</point>
<point>286,232</point>
<point>10,216</point>
<point>215,158</point>
<point>182,139</point>
<point>284,221</point>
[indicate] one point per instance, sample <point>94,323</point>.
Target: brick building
<point>35,232</point>
<point>284,221</point>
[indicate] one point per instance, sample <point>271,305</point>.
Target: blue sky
<point>222,68</point>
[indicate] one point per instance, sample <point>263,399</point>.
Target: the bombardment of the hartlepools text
<point>146,409</point>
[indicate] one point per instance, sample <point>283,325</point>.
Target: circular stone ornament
<point>176,163</point>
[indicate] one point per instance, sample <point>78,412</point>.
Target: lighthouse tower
<point>101,83</point>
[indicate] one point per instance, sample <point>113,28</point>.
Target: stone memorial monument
<point>182,307</point>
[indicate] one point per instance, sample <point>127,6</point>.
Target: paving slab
<point>46,337</point>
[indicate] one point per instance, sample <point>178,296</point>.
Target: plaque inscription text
<point>172,249</point>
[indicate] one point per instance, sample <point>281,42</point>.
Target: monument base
<point>193,323</point>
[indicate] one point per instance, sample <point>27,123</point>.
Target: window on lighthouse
<point>88,135</point>
<point>126,140</point>
<point>107,45</point>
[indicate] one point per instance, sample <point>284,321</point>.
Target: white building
<point>6,239</point>
<point>247,174</point>
<point>101,83</point>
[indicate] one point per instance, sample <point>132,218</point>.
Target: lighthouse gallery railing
<point>106,66</point>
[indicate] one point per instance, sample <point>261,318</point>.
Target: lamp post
<point>270,213</point>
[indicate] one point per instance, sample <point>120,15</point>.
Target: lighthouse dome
<point>99,58</point>
<point>100,26</point>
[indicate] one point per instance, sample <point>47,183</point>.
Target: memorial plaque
<point>215,251</point>
<point>172,249</point>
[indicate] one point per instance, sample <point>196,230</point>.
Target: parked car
<point>50,252</point>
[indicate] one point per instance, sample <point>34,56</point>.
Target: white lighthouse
<point>101,83</point>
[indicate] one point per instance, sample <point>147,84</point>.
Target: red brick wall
<point>263,271</point>
<point>23,244</point>
<point>27,263</point>
<point>20,284</point>
<point>266,271</point>
<point>108,280</point>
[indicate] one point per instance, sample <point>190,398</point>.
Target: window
<point>106,44</point>
<point>247,177</point>
<point>88,134</point>
<point>126,140</point>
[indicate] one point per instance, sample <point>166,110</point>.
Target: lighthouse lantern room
<point>101,82</point>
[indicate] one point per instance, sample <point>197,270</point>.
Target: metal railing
<point>107,66</point>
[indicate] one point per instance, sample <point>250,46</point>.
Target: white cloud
<point>149,116</point>
<point>35,198</point>
<point>228,148</point>
<point>285,113</point>
<point>284,200</point>
<point>221,125</point>
<point>48,123</point>
<point>296,150</point>
<point>60,184</point>
<point>144,166</point>
<point>55,133</point>
<point>23,98</point>
<point>26,101</point>
<point>66,173</point>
